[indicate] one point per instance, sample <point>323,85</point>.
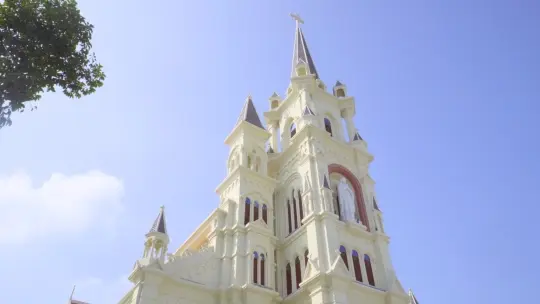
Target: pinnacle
<point>159,224</point>
<point>249,114</point>
<point>301,54</point>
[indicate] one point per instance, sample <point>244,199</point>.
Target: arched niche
<point>359,197</point>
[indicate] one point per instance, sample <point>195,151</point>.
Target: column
<point>274,131</point>
<point>351,130</point>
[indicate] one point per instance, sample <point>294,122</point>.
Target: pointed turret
<point>302,63</point>
<point>157,240</point>
<point>159,224</point>
<point>249,114</point>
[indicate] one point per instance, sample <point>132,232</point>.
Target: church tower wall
<point>297,221</point>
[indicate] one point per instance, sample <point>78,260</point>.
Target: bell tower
<point>298,219</point>
<point>331,247</point>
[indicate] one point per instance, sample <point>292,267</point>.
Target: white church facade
<point>297,221</point>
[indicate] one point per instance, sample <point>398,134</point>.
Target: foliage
<point>44,44</point>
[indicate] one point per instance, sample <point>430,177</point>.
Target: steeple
<point>249,114</point>
<point>301,57</point>
<point>157,240</point>
<point>159,224</point>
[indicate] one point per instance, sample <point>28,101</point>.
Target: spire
<point>301,52</point>
<point>412,298</point>
<point>357,136</point>
<point>325,183</point>
<point>308,111</point>
<point>159,224</point>
<point>249,114</point>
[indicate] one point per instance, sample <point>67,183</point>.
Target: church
<point>298,219</point>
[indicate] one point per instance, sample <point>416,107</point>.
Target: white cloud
<point>62,206</point>
<point>96,290</point>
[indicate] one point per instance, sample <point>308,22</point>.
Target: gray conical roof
<point>301,54</point>
<point>159,224</point>
<point>325,183</point>
<point>249,114</point>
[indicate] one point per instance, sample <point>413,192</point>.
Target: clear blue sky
<point>448,98</point>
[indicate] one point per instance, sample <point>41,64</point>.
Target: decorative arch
<point>360,204</point>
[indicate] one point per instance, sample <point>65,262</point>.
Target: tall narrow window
<point>255,211</point>
<point>338,208</point>
<point>294,211</point>
<point>300,206</point>
<point>328,126</point>
<point>343,253</point>
<point>263,259</point>
<point>306,256</point>
<point>293,129</point>
<point>275,271</point>
<point>298,271</point>
<point>288,278</point>
<point>369,270</point>
<point>289,216</point>
<point>247,210</point>
<point>249,161</point>
<point>265,213</point>
<point>356,266</point>
<point>255,266</point>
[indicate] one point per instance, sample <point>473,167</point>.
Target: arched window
<point>293,129</point>
<point>356,266</point>
<point>247,210</point>
<point>289,215</point>
<point>306,256</point>
<point>265,213</point>
<point>340,93</point>
<point>255,266</point>
<point>249,161</point>
<point>343,253</point>
<point>328,125</point>
<point>369,270</point>
<point>294,211</point>
<point>288,278</point>
<point>298,271</point>
<point>263,258</point>
<point>255,211</point>
<point>301,207</point>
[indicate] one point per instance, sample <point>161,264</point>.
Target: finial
<point>250,97</point>
<point>162,207</point>
<point>297,18</point>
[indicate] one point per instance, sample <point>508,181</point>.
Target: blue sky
<point>447,97</point>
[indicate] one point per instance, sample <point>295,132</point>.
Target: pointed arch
<point>289,216</point>
<point>357,187</point>
<point>300,207</point>
<point>288,278</point>
<point>369,270</point>
<point>292,130</point>
<point>356,266</point>
<point>247,210</point>
<point>265,213</point>
<point>294,211</point>
<point>328,126</point>
<point>298,271</point>
<point>255,266</point>
<point>255,211</point>
<point>263,272</point>
<point>343,253</point>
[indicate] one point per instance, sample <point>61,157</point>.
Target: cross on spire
<point>297,18</point>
